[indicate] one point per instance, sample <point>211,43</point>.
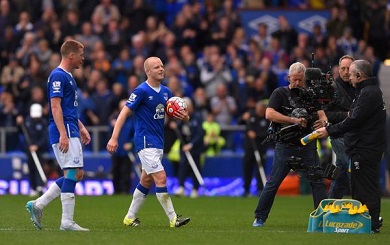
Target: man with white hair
<point>280,112</point>
<point>192,134</point>
<point>36,127</point>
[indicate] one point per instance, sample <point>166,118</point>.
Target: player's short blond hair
<point>70,46</point>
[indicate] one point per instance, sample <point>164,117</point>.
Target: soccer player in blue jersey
<point>146,104</point>
<point>65,132</point>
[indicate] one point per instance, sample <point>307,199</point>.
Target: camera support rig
<point>314,173</point>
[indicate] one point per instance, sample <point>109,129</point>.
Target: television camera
<point>318,93</point>
<point>305,102</point>
<point>312,172</point>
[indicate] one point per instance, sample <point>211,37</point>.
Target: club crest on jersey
<point>76,160</point>
<point>132,98</point>
<point>165,96</point>
<point>56,86</point>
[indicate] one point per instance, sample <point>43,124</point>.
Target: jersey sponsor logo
<point>56,87</point>
<point>160,113</point>
<point>132,98</point>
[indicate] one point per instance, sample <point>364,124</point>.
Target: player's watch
<point>326,123</point>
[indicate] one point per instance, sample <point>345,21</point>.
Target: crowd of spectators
<point>202,43</point>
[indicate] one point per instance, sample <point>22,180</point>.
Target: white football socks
<point>139,199</point>
<point>68,202</point>
<point>166,203</point>
<point>52,193</point>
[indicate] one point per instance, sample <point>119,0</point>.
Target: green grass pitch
<point>214,220</point>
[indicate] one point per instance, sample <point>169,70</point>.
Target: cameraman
<point>337,112</point>
<point>279,112</point>
<point>364,135</point>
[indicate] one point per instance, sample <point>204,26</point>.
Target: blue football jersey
<point>62,84</point>
<point>148,108</point>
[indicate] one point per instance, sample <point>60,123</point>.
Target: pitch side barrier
<point>100,134</point>
<point>222,175</point>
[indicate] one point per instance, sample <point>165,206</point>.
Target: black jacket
<point>192,132</point>
<point>337,111</point>
<point>260,126</point>
<point>38,133</point>
<point>364,128</point>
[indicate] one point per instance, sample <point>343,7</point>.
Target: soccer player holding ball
<point>147,105</point>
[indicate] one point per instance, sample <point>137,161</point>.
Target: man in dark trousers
<point>280,112</point>
<point>192,134</point>
<point>121,163</point>
<point>337,112</point>
<point>255,133</point>
<point>36,127</point>
<point>364,134</point>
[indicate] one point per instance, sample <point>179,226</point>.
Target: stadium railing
<point>97,131</point>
